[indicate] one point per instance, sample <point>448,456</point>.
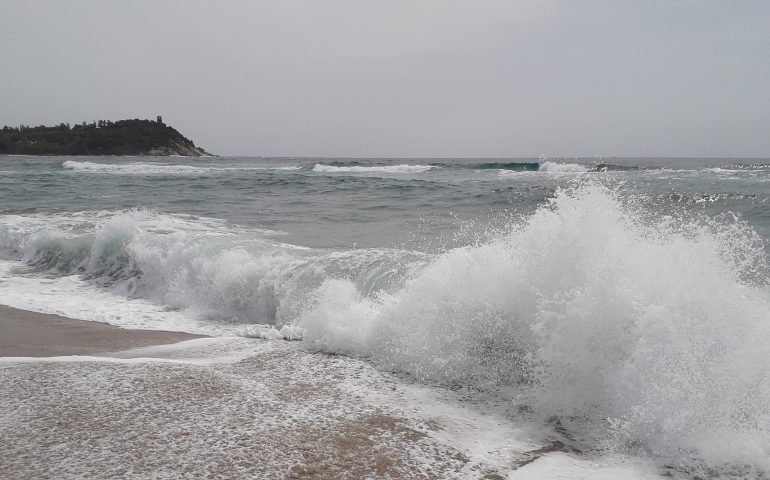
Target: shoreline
<point>87,399</point>
<point>25,333</point>
<point>200,409</point>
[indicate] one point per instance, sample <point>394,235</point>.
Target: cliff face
<point>124,137</point>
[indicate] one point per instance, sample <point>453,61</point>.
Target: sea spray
<point>643,331</point>
<point>649,334</point>
<point>554,167</point>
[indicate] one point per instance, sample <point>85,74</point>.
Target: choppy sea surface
<point>623,301</point>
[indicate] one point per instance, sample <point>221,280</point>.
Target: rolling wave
<point>554,167</point>
<point>404,168</point>
<point>205,267</point>
<point>156,169</point>
<point>648,335</point>
<point>608,167</point>
<point>641,332</point>
<point>352,166</point>
<point>514,166</point>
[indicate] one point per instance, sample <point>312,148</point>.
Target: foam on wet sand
<point>232,407</point>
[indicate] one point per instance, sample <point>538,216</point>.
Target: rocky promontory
<point>103,137</point>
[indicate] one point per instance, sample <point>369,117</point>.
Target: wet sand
<point>106,402</point>
<point>31,334</point>
<point>207,408</point>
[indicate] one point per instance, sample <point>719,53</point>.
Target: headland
<point>103,137</point>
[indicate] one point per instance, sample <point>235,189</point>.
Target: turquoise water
<point>626,297</point>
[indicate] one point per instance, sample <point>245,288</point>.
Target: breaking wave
<point>513,166</point>
<point>553,167</point>
<point>156,169</point>
<point>643,332</point>
<point>372,169</point>
<point>351,166</point>
<point>201,266</point>
<point>647,333</point>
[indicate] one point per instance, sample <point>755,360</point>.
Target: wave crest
<point>205,267</point>
<point>404,168</point>
<point>650,335</point>
<point>554,167</point>
<point>157,169</point>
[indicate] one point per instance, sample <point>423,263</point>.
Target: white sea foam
<point>642,334</point>
<point>272,409</point>
<point>503,173</point>
<point>404,168</point>
<point>72,297</point>
<point>199,269</point>
<point>143,168</point>
<point>132,168</point>
<point>562,466</point>
<point>287,168</point>
<point>545,167</point>
<point>554,167</point>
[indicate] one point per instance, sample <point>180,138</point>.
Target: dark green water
<point>368,202</point>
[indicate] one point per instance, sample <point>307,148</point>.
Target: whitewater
<point>618,306</point>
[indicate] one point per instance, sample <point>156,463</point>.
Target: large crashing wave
<point>204,267</point>
<point>649,332</point>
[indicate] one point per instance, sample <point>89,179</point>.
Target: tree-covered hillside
<point>123,137</point>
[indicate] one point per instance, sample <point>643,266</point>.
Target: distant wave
<point>510,170</point>
<point>404,168</point>
<point>553,167</point>
<point>715,197</point>
<point>514,166</point>
<point>513,169</point>
<point>130,168</point>
<point>506,168</point>
<point>739,167</point>
<point>542,166</point>
<point>156,169</point>
<point>607,167</point>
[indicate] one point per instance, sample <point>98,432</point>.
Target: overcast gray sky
<point>402,77</point>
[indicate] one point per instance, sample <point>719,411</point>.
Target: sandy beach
<point>31,334</point>
<point>83,399</point>
<point>115,403</point>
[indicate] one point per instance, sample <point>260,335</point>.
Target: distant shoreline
<point>54,155</point>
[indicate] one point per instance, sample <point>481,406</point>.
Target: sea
<point>623,303</point>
